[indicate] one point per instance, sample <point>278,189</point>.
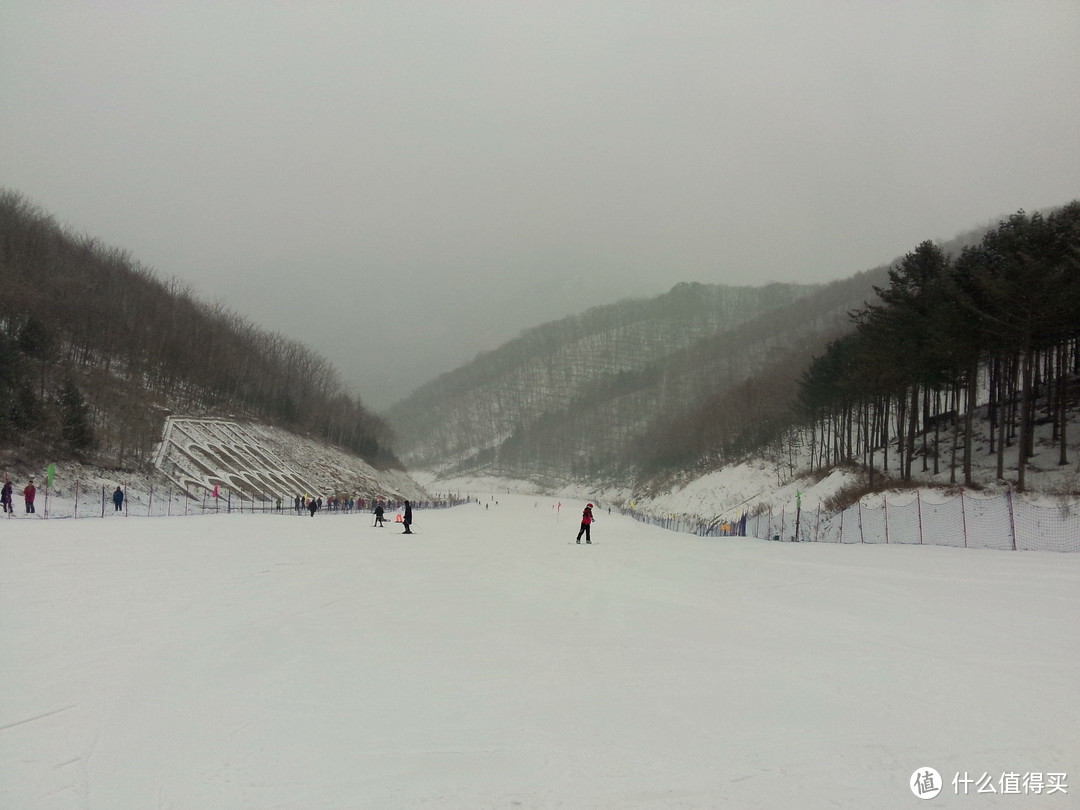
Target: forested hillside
<point>95,350</point>
<point>991,334</point>
<point>707,375</point>
<point>573,396</point>
<point>928,360</point>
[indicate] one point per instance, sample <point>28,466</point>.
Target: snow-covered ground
<point>249,661</point>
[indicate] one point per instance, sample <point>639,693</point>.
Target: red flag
<point>214,493</point>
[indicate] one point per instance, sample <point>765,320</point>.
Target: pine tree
<point>75,424</point>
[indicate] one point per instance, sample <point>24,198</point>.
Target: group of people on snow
<point>7,496</point>
<point>332,503</point>
<point>313,505</point>
<point>406,519</point>
<point>29,493</point>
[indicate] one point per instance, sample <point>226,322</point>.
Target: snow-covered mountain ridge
<point>573,395</point>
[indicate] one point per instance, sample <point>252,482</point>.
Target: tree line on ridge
<point>996,327</point>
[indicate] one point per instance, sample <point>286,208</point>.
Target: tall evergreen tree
<point>75,424</point>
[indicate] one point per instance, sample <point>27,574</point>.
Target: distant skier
<point>29,493</point>
<point>313,507</point>
<point>6,495</point>
<point>408,518</point>
<point>378,515</point>
<point>586,522</point>
<point>118,499</point>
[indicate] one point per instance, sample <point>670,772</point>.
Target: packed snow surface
<point>487,661</point>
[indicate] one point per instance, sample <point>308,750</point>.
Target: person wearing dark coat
<point>118,499</point>
<point>29,493</point>
<point>586,522</point>
<point>378,515</point>
<point>6,495</point>
<point>313,506</point>
<point>408,518</point>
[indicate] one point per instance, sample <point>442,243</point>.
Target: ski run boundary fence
<point>79,500</point>
<point>1002,522</point>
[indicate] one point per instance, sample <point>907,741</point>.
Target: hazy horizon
<point>401,186</point>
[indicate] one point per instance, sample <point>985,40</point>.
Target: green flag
<point>49,475</point>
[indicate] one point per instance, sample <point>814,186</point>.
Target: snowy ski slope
<point>245,661</point>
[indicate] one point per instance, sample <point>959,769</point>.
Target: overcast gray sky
<point>401,185</point>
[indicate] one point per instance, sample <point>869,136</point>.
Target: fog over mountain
<point>402,186</point>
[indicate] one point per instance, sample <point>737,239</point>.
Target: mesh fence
<point>1002,522</point>
<point>81,500</point>
<point>1042,528</point>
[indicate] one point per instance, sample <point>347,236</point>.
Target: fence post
<point>963,516</point>
<point>885,511</point>
<point>862,537</point>
<point>841,538</point>
<point>1012,516</point>
<point>798,516</point>
<point>150,503</point>
<point>103,500</point>
<point>76,498</point>
<point>918,504</point>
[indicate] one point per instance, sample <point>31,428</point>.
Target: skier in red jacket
<point>586,522</point>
